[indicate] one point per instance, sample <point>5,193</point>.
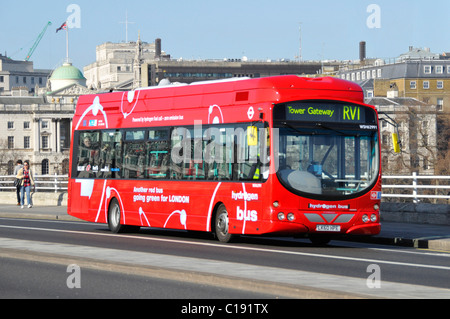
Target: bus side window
<point>157,163</point>
<point>220,150</point>
<point>194,166</point>
<point>110,153</point>
<point>88,155</point>
<point>248,162</point>
<point>179,150</point>
<point>134,154</point>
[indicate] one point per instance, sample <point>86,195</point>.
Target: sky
<point>211,29</point>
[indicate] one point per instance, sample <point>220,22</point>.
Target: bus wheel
<point>114,216</point>
<point>222,225</point>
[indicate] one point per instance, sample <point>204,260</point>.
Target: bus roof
<point>230,92</point>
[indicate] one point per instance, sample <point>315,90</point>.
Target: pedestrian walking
<point>19,165</point>
<point>26,175</point>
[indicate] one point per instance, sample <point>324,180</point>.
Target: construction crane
<point>36,43</point>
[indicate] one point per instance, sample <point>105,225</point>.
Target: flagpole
<point>67,44</point>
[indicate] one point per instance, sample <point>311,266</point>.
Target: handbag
<point>17,182</point>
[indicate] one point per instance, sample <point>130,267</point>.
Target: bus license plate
<point>330,228</point>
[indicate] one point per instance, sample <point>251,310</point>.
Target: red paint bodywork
<point>183,105</point>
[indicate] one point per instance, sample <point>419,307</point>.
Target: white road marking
<point>222,246</point>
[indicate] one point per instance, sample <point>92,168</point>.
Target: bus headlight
<point>365,218</point>
<point>373,218</point>
<point>281,216</point>
<point>290,217</point>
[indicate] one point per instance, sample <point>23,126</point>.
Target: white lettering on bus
<point>179,199</point>
<point>328,206</point>
<point>248,215</point>
<point>244,196</point>
<point>140,190</point>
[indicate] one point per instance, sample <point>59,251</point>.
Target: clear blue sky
<point>210,29</point>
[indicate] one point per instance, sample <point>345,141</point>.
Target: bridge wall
<point>433,214</point>
<point>38,199</point>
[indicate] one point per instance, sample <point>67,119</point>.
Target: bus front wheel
<point>222,225</point>
<point>114,218</point>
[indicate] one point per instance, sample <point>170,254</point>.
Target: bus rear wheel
<point>114,218</point>
<point>221,225</point>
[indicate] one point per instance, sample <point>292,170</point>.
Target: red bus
<point>284,155</point>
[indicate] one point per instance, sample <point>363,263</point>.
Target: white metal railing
<point>43,183</point>
<point>416,187</point>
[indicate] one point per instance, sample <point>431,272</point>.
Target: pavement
<point>425,236</point>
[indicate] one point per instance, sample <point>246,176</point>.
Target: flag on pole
<point>62,27</point>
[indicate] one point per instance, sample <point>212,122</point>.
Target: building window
<point>26,142</point>
<point>2,79</point>
<point>65,167</point>
<point>413,85</point>
<point>26,125</point>
<point>439,69</point>
<point>45,141</point>
<point>10,125</point>
<point>44,124</point>
<point>427,69</point>
<point>10,142</point>
<point>379,73</point>
<point>440,85</point>
<point>426,85</point>
<point>440,104</point>
<point>44,167</point>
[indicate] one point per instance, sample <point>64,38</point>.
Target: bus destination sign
<point>325,112</point>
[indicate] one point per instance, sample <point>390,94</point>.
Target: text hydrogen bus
<point>285,155</point>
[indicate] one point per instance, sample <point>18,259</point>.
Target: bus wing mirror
<point>395,138</point>
<point>396,143</point>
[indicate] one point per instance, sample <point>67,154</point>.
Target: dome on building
<point>66,75</point>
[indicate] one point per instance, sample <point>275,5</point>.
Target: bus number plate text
<point>330,228</point>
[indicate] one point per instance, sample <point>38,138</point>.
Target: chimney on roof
<point>362,51</point>
<point>158,48</point>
